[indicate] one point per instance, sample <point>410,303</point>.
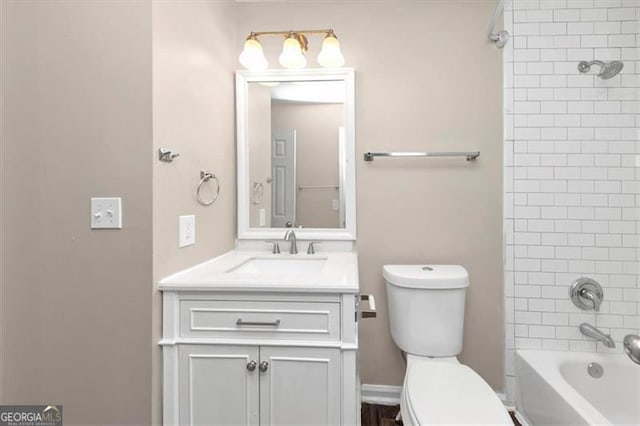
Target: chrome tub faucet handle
<point>586,294</point>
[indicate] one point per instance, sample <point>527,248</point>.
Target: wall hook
<point>167,155</point>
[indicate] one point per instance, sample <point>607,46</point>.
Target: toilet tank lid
<point>426,276</point>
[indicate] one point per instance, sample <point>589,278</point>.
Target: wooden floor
<point>385,415</point>
<point>379,415</point>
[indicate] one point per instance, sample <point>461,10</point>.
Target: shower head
<point>607,69</point>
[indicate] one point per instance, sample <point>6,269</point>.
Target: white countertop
<point>339,274</point>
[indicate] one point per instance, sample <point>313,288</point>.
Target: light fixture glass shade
<point>291,56</point>
<point>252,56</point>
<point>330,55</point>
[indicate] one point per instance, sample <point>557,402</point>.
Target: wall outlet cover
<point>187,230</point>
<point>106,213</point>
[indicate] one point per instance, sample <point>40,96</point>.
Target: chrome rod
<point>301,187</point>
<point>368,156</point>
<point>499,37</point>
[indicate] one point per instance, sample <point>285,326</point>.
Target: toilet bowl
<point>439,391</point>
<point>426,316</point>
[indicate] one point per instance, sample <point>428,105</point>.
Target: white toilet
<point>426,315</point>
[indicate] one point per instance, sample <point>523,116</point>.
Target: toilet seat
<point>436,392</point>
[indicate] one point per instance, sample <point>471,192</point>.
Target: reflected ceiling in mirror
<point>295,154</point>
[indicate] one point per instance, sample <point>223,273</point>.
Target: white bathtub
<point>554,388</point>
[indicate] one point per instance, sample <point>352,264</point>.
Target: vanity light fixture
<point>252,56</point>
<point>293,50</point>
<point>330,56</point>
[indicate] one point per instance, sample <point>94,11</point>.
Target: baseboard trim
<point>390,395</point>
<point>381,394</point>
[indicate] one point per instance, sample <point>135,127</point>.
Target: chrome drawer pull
<point>264,366</point>
<point>251,366</point>
<point>266,324</point>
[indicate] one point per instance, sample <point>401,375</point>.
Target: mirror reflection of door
<point>283,177</point>
<point>294,136</point>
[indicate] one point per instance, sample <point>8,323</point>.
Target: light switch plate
<point>106,213</point>
<point>187,231</point>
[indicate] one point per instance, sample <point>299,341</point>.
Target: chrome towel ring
<point>206,177</point>
<point>257,193</point>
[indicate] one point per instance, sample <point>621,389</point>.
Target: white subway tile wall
<point>572,172</point>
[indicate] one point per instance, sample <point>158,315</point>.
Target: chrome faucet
<point>290,235</point>
<point>592,297</point>
<point>590,331</point>
<point>586,294</point>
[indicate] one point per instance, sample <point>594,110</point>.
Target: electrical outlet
<point>187,231</point>
<point>106,213</point>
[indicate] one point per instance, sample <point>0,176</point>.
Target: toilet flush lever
<point>371,312</point>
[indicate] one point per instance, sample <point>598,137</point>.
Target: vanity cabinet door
<point>301,386</point>
<point>218,385</point>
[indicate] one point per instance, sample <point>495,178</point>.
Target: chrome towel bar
<point>301,187</point>
<point>368,156</point>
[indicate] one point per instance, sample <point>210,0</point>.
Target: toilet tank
<point>426,307</point>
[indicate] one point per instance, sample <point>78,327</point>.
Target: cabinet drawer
<point>229,319</point>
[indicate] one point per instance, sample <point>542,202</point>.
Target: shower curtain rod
<point>500,37</point>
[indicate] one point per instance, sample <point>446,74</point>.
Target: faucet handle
<point>312,249</point>
<point>586,294</point>
<point>276,246</point>
<point>592,297</point>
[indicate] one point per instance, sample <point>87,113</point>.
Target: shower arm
<point>596,62</point>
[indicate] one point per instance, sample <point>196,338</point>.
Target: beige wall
<point>194,57</point>
<point>427,79</point>
<point>76,123</point>
<point>259,134</point>
<point>316,127</point>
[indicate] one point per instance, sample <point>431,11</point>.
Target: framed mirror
<point>296,154</point>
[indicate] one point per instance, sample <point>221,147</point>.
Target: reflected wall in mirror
<point>295,153</point>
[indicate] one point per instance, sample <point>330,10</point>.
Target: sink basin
<point>245,270</point>
<point>281,266</point>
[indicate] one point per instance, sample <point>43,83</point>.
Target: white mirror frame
<point>243,78</point>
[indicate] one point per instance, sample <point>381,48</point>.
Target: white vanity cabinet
<point>259,358</point>
<point>214,386</point>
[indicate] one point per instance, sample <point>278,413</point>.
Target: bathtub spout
<point>590,331</point>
